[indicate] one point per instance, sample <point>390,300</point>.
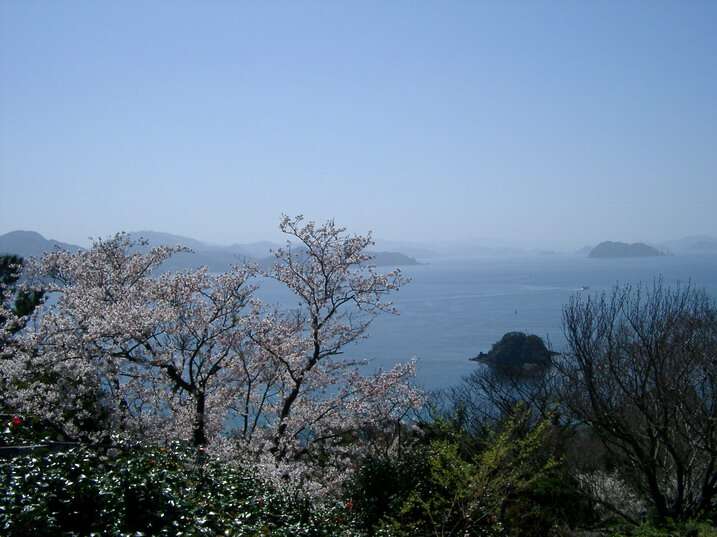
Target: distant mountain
<point>216,258</point>
<point>696,244</point>
<point>220,258</point>
<point>31,244</point>
<point>250,250</point>
<point>254,249</point>
<point>622,249</point>
<point>203,254</point>
<point>158,238</point>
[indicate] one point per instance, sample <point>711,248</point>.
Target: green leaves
<point>450,484</point>
<point>146,490</point>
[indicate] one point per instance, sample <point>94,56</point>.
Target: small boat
<point>584,288</point>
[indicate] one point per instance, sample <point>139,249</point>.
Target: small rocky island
<point>610,249</point>
<point>518,352</point>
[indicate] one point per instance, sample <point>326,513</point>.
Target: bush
<point>152,491</point>
<point>510,484</point>
<point>382,484</point>
<point>690,529</point>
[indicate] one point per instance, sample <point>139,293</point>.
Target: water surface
<point>455,308</point>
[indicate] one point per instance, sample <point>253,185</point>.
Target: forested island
<point>517,352</point>
<point>610,249</point>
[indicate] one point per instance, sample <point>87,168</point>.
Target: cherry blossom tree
<point>320,395</point>
<point>153,353</point>
<point>193,355</point>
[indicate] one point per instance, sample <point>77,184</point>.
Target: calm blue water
<point>455,308</point>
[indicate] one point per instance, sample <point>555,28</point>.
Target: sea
<point>454,308</point>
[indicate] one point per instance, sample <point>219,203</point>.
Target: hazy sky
<point>559,122</point>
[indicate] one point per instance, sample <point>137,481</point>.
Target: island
<point>518,352</point>
<point>610,249</point>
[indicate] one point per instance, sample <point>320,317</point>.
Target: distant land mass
<point>695,244</point>
<point>623,249</point>
<point>31,244</point>
<point>217,258</point>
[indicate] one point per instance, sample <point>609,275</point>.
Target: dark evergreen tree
<point>23,301</point>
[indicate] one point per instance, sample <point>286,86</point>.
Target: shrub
<point>152,491</point>
<point>690,529</point>
<point>510,485</point>
<point>382,484</point>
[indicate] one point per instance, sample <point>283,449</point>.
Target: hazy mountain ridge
<point>694,244</point>
<point>216,258</point>
<point>31,244</point>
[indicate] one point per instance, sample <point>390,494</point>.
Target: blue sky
<point>540,123</point>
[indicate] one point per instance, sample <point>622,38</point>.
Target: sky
<point>536,123</point>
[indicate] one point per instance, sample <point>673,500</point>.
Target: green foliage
<point>9,265</point>
<point>21,430</point>
<point>669,529</point>
<point>26,300</point>
<point>140,490</point>
<point>383,483</point>
<point>452,500</point>
<point>510,484</point>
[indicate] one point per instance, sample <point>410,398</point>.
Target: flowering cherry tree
<point>320,395</point>
<point>193,355</point>
<point>151,353</point>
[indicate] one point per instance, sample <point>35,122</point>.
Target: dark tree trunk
<point>199,436</point>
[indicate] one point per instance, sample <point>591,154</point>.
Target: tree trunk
<point>199,437</point>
